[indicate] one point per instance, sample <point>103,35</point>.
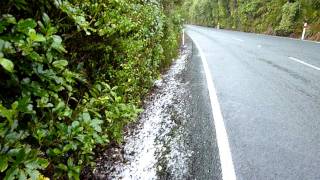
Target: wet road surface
<point>269,92</point>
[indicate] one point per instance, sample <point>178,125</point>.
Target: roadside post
<point>304,31</point>
<point>183,37</point>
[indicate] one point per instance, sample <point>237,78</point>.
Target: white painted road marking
<point>227,167</point>
<point>304,63</point>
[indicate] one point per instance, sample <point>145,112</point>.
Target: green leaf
<point>35,37</point>
<point>6,47</point>
<point>40,133</point>
<point>60,106</point>
<point>3,163</point>
<point>6,64</point>
<point>62,167</point>
<point>46,18</point>
<point>25,24</point>
<point>9,19</point>
<point>22,154</point>
<point>51,30</point>
<point>60,63</point>
<point>39,38</point>
<point>34,174</point>
<point>22,175</point>
<point>5,21</point>
<point>67,147</point>
<point>20,4</point>
<point>70,162</point>
<point>7,113</point>
<point>56,151</point>
<point>13,152</point>
<point>2,26</point>
<point>75,124</point>
<point>86,116</point>
<point>74,173</point>
<point>43,163</point>
<point>11,173</point>
<point>96,124</point>
<point>57,43</point>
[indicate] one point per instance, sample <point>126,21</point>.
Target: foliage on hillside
<point>278,17</point>
<point>72,75</point>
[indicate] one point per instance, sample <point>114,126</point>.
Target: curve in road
<point>269,92</point>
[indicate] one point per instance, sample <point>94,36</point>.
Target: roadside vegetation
<point>276,17</point>
<point>73,73</point>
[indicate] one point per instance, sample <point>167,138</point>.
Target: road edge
<point>227,167</point>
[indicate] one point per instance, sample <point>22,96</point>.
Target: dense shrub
<point>72,75</point>
<point>289,16</point>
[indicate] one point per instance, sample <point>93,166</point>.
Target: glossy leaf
<point>60,63</point>
<point>3,163</point>
<point>6,64</point>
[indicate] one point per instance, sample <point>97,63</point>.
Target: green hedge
<point>72,75</point>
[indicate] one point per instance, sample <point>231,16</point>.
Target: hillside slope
<point>276,17</point>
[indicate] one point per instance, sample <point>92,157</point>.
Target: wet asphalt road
<point>270,102</point>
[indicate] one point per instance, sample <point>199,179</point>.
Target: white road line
<point>227,167</point>
<point>237,39</point>
<point>304,63</point>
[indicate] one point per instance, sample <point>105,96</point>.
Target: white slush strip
<point>304,63</point>
<point>228,172</point>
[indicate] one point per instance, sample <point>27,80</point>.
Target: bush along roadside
<point>72,75</point>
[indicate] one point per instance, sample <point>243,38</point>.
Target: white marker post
<point>183,37</point>
<point>304,31</point>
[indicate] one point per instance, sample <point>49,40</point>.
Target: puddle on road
<point>155,148</point>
